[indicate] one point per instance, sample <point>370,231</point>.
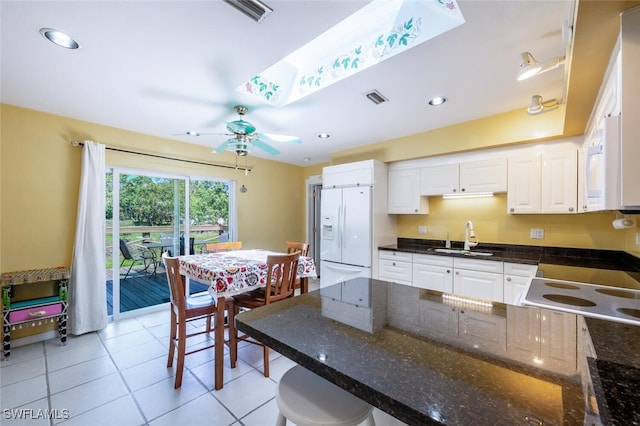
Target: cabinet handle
<point>462,189</point>
<point>457,273</point>
<point>393,263</point>
<point>448,271</point>
<point>415,210</point>
<point>512,210</point>
<point>570,209</point>
<point>455,189</point>
<point>508,278</point>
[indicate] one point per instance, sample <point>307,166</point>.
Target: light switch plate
<point>422,229</point>
<point>537,233</point>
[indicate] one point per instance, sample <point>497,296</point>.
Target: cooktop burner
<point>605,302</point>
<point>568,300</point>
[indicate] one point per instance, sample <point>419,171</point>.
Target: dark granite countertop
<point>426,360</point>
<point>585,258</point>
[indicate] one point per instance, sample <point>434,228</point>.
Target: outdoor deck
<point>141,290</point>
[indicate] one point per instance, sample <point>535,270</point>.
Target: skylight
<point>378,31</point>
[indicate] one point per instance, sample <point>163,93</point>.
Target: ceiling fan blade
<point>222,147</point>
<point>260,144</point>
<point>279,138</point>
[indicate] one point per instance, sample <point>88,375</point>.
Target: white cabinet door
<point>523,186</point>
<point>438,180</point>
<point>484,176</point>
<point>514,286</point>
<point>559,182</point>
<point>404,193</point>
<point>438,278</point>
<point>479,285</point>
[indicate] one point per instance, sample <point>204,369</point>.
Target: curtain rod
<point>226,166</point>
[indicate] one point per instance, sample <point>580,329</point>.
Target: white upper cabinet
<point>404,193</point>
<point>467,177</point>
<point>543,183</point>
<point>360,173</point>
<point>559,190</point>
<point>523,193</point>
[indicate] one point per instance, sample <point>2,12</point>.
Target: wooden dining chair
<point>226,246</point>
<point>303,248</point>
<point>281,272</point>
<point>184,310</point>
<point>293,246</point>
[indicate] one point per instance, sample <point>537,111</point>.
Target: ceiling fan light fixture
<point>324,135</point>
<point>59,38</point>
<point>254,9</point>
<point>530,67</point>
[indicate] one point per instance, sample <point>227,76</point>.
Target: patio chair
<point>147,257</point>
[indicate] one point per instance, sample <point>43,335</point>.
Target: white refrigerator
<point>345,235</point>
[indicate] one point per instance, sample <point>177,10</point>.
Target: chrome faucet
<point>469,233</point>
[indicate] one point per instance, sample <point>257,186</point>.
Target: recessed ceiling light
<point>324,135</point>
<point>192,133</point>
<point>306,159</point>
<point>438,100</point>
<point>59,38</point>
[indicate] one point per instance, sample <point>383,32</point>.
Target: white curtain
<point>87,291</point>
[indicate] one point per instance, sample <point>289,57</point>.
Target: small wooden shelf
<point>35,311</point>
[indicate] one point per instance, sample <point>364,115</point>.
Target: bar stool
<point>307,399</point>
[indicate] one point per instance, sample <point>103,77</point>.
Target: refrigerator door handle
<point>344,224</point>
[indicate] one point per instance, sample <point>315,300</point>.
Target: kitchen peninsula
<point>377,340</point>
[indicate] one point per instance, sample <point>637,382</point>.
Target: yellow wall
<point>40,173</point>
<point>493,224</point>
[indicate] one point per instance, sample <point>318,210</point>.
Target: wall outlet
<point>422,229</point>
<point>537,233</point>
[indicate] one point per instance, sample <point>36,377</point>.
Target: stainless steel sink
<point>465,252</point>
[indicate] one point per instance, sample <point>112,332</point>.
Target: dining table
<point>231,273</point>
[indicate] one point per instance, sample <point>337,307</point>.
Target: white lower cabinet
<point>433,272</point>
<point>395,266</point>
<point>480,279</point>
<point>516,280</point>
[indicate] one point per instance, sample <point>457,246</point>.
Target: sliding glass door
<point>148,214</point>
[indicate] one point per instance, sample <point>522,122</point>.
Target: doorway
<point>314,187</point>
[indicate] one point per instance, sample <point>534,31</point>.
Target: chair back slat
<point>124,249</point>
<point>282,270</point>
<point>226,246</point>
<point>293,246</point>
<point>176,283</point>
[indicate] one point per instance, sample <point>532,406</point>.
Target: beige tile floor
<point>118,376</point>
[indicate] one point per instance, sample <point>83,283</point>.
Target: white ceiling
<point>163,68</point>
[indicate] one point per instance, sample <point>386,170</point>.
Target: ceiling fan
<point>244,137</point>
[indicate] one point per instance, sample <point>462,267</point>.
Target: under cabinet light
<point>455,195</point>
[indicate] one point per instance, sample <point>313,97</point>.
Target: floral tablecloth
<point>233,272</point>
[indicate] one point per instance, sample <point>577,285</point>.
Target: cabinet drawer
<point>478,265</point>
<point>398,272</point>
<point>429,259</point>
<point>35,313</point>
<point>520,269</point>
<point>395,255</point>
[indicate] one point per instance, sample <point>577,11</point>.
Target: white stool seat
<point>307,399</point>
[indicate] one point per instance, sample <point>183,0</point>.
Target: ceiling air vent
<point>254,9</point>
<point>376,97</point>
